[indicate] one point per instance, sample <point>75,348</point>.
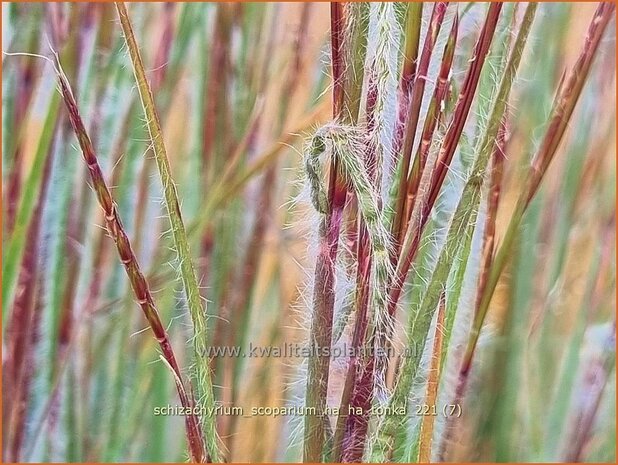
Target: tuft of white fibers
<point>382,62</point>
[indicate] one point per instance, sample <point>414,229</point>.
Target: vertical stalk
<point>412,33</point>
<point>431,393</point>
<point>414,108</point>
<point>431,121</point>
<point>201,376</point>
<point>323,287</point>
<point>348,44</point>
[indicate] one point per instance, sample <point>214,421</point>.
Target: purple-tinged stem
<point>127,257</point>
<point>413,235</point>
<point>493,199</point>
<point>21,335</point>
<point>324,285</point>
<point>434,112</point>
<point>408,73</point>
<point>414,108</point>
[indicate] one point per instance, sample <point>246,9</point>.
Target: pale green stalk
<point>490,74</point>
<point>201,376</point>
<point>390,437</point>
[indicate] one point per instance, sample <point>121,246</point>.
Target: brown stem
<point>414,108</point>
<point>127,257</point>
<point>413,235</point>
<point>493,199</point>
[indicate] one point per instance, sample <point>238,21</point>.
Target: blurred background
<point>239,87</point>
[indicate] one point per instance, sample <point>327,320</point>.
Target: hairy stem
<point>201,376</point>
<point>127,257</point>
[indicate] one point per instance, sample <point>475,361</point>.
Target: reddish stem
<point>453,134</point>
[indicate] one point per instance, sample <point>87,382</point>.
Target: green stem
<point>201,375</point>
